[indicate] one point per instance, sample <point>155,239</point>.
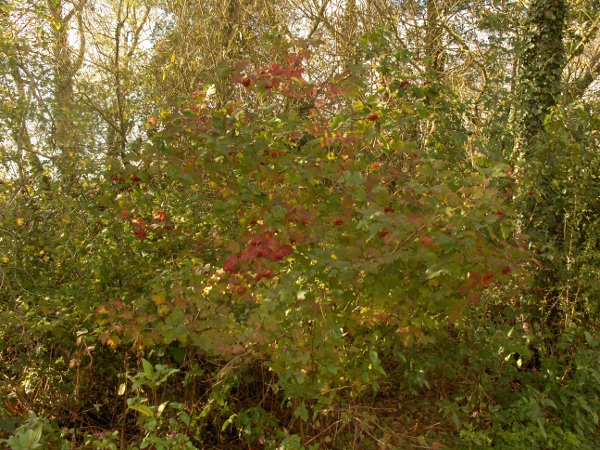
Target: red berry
<point>338,222</point>
<point>506,271</point>
<point>246,82</point>
<point>387,209</point>
<point>499,213</point>
<point>373,117</point>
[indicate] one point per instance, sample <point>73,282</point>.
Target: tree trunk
<point>543,60</point>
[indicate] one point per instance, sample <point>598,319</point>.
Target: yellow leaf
<point>111,343</point>
<point>159,298</point>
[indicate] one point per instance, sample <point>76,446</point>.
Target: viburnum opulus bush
<point>316,227</point>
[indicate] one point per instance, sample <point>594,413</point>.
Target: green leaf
<point>144,409</point>
<point>540,422</point>
<point>592,342</point>
<point>351,178</point>
<point>148,369</point>
<point>228,422</point>
<point>185,418</point>
<point>302,412</point>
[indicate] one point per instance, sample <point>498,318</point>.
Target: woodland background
<point>299,224</point>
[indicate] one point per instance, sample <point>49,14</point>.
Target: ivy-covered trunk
<point>543,60</point>
<point>538,165</point>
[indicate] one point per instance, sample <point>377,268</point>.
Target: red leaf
<point>249,254</point>
<point>425,240</point>
<point>230,263</point>
<point>140,234</point>
<point>285,250</point>
<point>487,279</point>
<point>474,297</point>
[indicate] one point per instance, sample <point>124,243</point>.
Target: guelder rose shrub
<point>314,226</point>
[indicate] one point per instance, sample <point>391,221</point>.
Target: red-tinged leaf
<point>140,234</point>
<point>267,252</point>
<point>230,263</point>
<point>285,250</point>
<point>476,277</point>
<point>126,315</point>
<point>416,219</point>
<point>118,303</point>
<point>474,297</point>
<point>487,279</point>
<point>241,65</point>
<point>250,254</point>
<point>425,240</point>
